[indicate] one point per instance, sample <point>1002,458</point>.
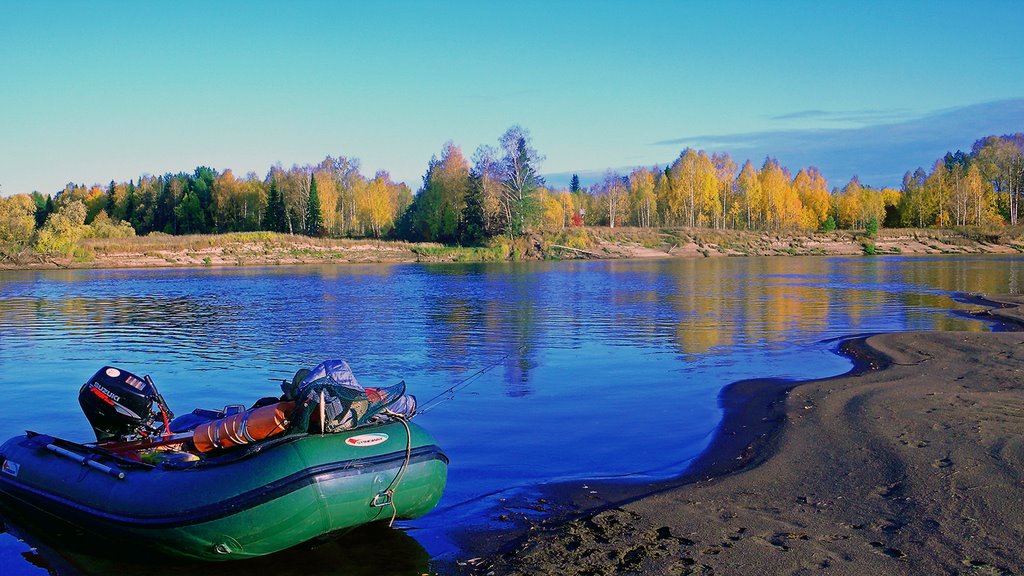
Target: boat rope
<point>449,393</point>
<point>323,410</point>
<point>165,411</point>
<point>405,465</point>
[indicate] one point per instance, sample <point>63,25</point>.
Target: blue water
<point>596,369</point>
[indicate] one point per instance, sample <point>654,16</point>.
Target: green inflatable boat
<point>217,485</point>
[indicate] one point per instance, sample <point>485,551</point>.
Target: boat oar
<point>144,443</point>
<point>85,461</point>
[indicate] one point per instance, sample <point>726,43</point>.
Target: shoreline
<point>757,430</point>
<point>261,249</point>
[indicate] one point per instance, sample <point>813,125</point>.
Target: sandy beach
<point>913,464</point>
<point>258,249</point>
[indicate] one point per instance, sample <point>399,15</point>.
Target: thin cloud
<point>878,153</point>
<point>846,116</point>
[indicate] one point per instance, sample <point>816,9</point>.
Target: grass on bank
<point>570,243</point>
<point>165,242</point>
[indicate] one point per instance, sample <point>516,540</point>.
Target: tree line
<point>498,191</point>
<point>465,202</point>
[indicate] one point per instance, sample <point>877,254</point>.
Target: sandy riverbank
<point>257,249</point>
<point>917,468</point>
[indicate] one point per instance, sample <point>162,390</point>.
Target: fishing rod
<point>449,393</point>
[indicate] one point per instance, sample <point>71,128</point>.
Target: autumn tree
<point>782,207</point>
<point>613,197</point>
<point>436,212</point>
<point>858,205</point>
<point>671,200</point>
<point>488,166</point>
<point>328,192</point>
<point>642,199</point>
<point>338,184</point>
<point>236,204</point>
<point>662,191</point>
<point>565,198</point>
<point>812,191</point>
<point>936,186</point>
<point>1000,161</point>
<point>749,188</point>
<point>293,189</point>
<point>916,207</point>
<point>519,179</point>
<point>551,214</point>
<point>725,175</point>
<point>105,227</point>
<point>693,180</point>
<point>375,204</point>
<point>17,223</point>
<point>981,198</point>
<point>63,229</point>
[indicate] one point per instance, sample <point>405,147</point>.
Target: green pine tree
<point>284,217</point>
<point>273,220</point>
<point>472,229</point>
<point>111,201</point>
<point>190,216</point>
<point>129,205</point>
<point>314,217</point>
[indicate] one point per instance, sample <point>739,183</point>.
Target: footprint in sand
<point>889,551</point>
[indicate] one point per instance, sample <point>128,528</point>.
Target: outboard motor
<point>121,406</point>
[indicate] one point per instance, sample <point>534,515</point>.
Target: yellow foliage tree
<point>103,227</point>
<point>694,187</point>
<point>812,190</point>
<point>63,229</point>
<point>725,174</point>
<point>17,223</point>
<point>748,186</point>
<point>642,198</point>
<point>378,202</point>
<point>552,213</point>
<point>327,190</point>
<point>781,206</point>
<point>936,188</point>
<point>568,206</point>
<point>225,196</point>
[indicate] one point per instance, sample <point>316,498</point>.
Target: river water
<point>596,369</point>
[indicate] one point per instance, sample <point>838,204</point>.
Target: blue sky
<point>94,91</point>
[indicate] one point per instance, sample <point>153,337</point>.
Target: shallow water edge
<point>753,419</point>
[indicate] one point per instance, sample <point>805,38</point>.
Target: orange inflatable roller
<point>249,426</point>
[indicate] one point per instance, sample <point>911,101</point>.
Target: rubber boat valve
<point>228,546</point>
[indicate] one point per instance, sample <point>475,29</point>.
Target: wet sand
<point>913,464</point>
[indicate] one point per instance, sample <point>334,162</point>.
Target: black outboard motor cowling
<point>120,405</point>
